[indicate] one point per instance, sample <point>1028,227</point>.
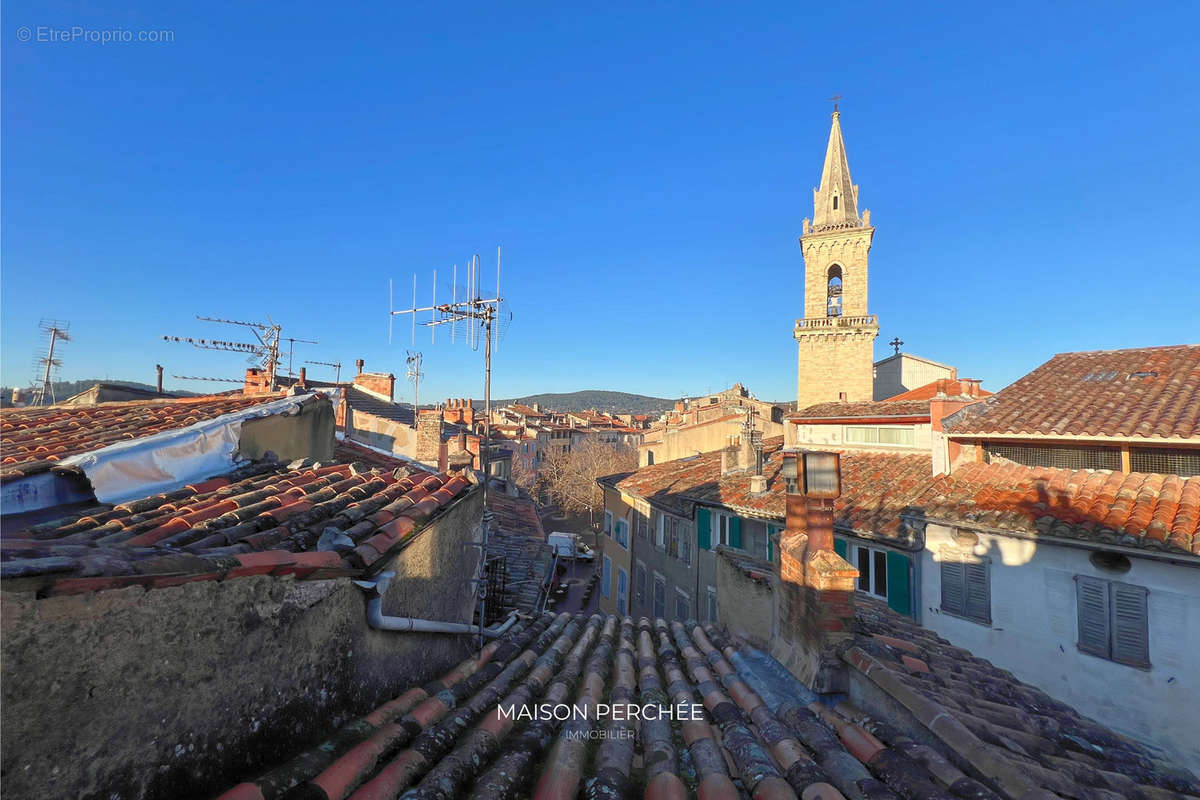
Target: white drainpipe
<point>377,586</point>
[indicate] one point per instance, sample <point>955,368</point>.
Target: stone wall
<point>384,434</point>
<point>835,361</point>
<point>745,605</point>
<point>184,691</point>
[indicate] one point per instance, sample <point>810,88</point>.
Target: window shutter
<point>978,601</point>
<point>954,590</point>
<point>898,594</point>
<point>1092,599</point>
<point>703,529</point>
<point>735,532</point>
<point>839,547</point>
<point>1130,639</point>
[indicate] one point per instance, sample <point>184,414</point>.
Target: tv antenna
<point>415,374</point>
<point>337,365</point>
<point>291,347</point>
<point>264,351</point>
<point>53,331</point>
<point>486,319</point>
<point>199,378</point>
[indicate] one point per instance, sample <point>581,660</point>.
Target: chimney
<point>159,368</point>
<point>970,386</point>
<point>301,380</point>
<point>815,604</point>
<point>943,385</point>
<point>358,364</point>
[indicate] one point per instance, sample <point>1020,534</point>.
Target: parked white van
<point>570,545</point>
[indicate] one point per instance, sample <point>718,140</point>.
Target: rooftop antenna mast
<point>291,345</point>
<point>337,365</point>
<point>486,318</point>
<point>264,351</point>
<point>53,331</point>
<point>415,374</point>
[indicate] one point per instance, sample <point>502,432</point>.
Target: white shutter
<point>953,588</point>
<point>1092,599</point>
<point>978,602</point>
<point>1130,638</point>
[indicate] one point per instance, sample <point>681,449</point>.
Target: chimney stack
<point>303,377</point>
<point>159,369</point>
<point>358,363</point>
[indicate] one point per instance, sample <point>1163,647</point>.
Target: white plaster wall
<point>1034,633</point>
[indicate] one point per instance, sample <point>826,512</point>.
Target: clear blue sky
<point>1031,170</point>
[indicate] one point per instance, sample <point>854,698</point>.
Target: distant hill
<point>65,389</point>
<point>599,399</point>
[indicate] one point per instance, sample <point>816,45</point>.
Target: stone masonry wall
<point>184,691</point>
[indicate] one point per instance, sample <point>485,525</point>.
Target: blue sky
<point>1031,170</point>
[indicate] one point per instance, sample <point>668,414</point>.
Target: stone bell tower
<point>836,336</point>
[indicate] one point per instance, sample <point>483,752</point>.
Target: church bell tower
<point>836,336</point>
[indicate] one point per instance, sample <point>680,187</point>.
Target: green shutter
<point>839,547</point>
<point>899,599</point>
<point>703,529</point>
<point>735,532</point>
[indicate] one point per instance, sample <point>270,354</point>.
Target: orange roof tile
<point>1151,392</point>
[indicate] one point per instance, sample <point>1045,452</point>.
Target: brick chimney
<point>258,381</point>
<point>814,608</point>
<point>302,380</point>
<point>948,454</point>
<point>358,364</point>
<point>159,369</point>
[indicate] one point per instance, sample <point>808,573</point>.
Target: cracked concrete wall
<point>183,691</point>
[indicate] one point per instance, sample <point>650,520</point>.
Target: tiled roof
<point>34,439</point>
<point>865,408</point>
<point>369,404</point>
<point>876,487</point>
<point>306,519</point>
<point>518,537</point>
<point>946,386</point>
<point>1014,736</point>
<point>1153,511</point>
<point>759,733</point>
<point>1151,392</point>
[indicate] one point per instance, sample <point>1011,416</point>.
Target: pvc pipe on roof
<point>375,590</point>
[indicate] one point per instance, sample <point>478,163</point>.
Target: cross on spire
<point>897,344</point>
<point>834,100</point>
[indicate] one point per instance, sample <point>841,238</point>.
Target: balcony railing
<point>838,322</point>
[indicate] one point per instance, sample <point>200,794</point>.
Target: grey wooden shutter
<point>954,591</point>
<point>977,604</point>
<point>1092,599</point>
<point>1130,638</point>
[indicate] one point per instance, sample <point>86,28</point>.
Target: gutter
<point>377,586</point>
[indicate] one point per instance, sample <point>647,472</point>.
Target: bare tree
<point>569,479</point>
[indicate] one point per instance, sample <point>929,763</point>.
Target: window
<point>672,537</point>
<point>833,306</point>
<point>874,434</point>
<point>683,605</point>
<point>966,587</point>
<point>729,530</point>
<point>685,545</point>
<point>1168,461</point>
<point>622,591</point>
<point>660,540</point>
<point>1113,620</point>
<point>621,533</point>
<point>835,201</point>
<point>660,596</point>
<point>608,522</point>
<point>1060,457</point>
<point>606,578</point>
<point>883,573</point>
<point>642,524</point>
<point>639,583</point>
<point>712,604</point>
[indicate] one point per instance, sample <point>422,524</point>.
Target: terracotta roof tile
<point>263,519</point>
<point>1151,392</point>
<point>866,408</point>
<point>35,438</point>
<point>876,487</point>
<point>759,732</point>
<point>1144,510</point>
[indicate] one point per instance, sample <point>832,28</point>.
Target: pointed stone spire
<point>835,203</point>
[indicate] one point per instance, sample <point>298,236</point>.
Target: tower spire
<point>835,202</point>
